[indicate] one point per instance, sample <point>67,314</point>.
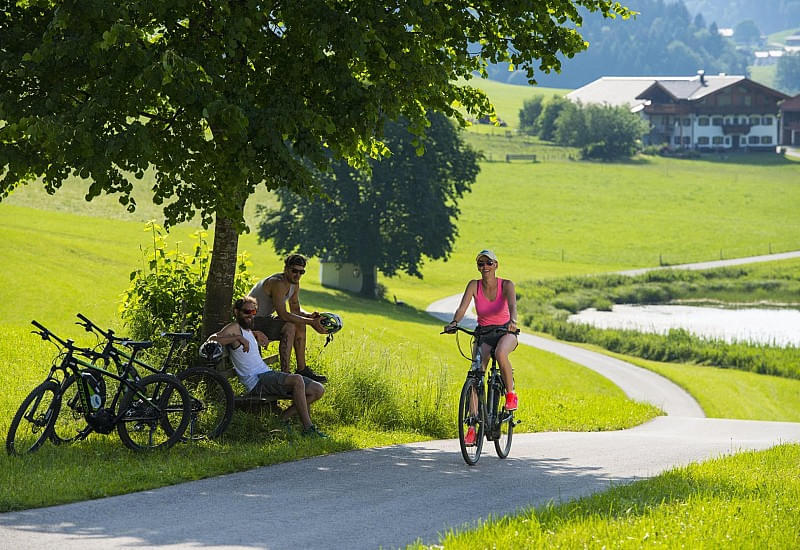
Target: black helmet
<point>330,322</point>
<point>211,352</point>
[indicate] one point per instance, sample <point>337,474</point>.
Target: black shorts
<point>270,326</point>
<point>491,334</point>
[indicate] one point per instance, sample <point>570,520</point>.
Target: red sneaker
<point>469,439</point>
<point>511,401</point>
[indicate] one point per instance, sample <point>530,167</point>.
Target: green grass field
<point>747,501</point>
<point>553,218</point>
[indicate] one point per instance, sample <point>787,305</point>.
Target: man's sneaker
<point>469,439</point>
<point>313,432</point>
<point>511,401</point>
<point>308,373</point>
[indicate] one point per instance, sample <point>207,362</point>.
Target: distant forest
<point>769,15</point>
<point>663,40</point>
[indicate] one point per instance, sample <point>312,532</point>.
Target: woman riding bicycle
<point>496,305</point>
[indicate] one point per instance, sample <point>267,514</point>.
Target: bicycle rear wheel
<point>34,419</point>
<point>156,414</point>
<point>71,420</point>
<point>471,400</point>
<point>212,403</point>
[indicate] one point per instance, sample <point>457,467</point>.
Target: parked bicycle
<point>211,393</point>
<point>479,406</point>
<point>148,413</point>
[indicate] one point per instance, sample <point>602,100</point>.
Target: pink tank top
<point>492,312</point>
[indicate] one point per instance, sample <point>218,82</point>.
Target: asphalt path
<point>391,496</point>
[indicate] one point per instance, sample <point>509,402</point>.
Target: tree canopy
<point>389,218</point>
<point>216,98</point>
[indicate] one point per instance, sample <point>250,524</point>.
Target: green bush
<point>167,294</point>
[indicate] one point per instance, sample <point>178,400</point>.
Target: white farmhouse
<point>719,112</point>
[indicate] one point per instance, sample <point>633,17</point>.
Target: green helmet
<point>331,322</point>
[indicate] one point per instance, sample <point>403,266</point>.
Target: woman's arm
<point>511,297</point>
<point>469,292</point>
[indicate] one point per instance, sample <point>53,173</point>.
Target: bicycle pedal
<point>517,422</point>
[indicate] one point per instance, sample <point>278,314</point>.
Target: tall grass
<point>678,346</point>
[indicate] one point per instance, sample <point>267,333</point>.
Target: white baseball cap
<point>488,253</point>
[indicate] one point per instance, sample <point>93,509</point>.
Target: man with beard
<point>243,344</point>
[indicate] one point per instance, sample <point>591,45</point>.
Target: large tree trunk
<point>221,274</point>
<point>368,281</point>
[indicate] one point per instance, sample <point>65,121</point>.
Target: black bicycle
<point>479,407</point>
<point>148,413</point>
<point>211,393</point>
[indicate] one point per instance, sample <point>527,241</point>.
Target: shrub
<point>168,292</point>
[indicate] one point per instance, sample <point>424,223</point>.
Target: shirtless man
<point>287,326</point>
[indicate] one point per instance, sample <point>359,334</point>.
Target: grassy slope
<point>67,263</point>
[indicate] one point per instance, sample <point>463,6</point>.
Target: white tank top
<point>248,365</point>
<point>265,305</point>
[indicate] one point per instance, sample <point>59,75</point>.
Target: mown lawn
<point>750,500</point>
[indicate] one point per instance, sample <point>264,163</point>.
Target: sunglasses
<point>249,311</point>
<point>298,271</point>
<point>490,263</point>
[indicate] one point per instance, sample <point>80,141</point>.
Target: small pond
<point>779,327</point>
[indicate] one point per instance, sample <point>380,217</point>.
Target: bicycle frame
<point>124,359</point>
<point>70,364</point>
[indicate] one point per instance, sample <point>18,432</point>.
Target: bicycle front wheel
<point>156,414</point>
<point>471,414</point>
<point>504,433</point>
<point>33,422</point>
<point>71,420</point>
<point>212,403</point>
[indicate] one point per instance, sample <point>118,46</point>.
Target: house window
<point>716,121</point>
<point>755,120</point>
<point>727,141</point>
<point>748,100</point>
<point>687,121</point>
<point>702,121</point>
<point>702,140</point>
<point>677,140</point>
<point>766,121</point>
<point>766,139</point>
<point>724,99</point>
<point>729,121</point>
<point>752,140</point>
<point>716,140</point>
<point>687,140</point>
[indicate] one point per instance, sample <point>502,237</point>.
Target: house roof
<point>791,104</point>
<point>635,91</point>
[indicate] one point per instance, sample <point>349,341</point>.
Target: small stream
<point>779,327</point>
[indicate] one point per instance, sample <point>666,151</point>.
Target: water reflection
<point>779,327</point>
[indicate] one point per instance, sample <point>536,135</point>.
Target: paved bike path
<point>391,496</point>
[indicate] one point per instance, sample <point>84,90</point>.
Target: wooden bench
<point>510,157</point>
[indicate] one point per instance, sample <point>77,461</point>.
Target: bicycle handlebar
<point>69,344</point>
<point>474,332</point>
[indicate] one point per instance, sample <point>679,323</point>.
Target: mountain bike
<point>211,394</point>
<point>479,405</point>
<point>148,413</point>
